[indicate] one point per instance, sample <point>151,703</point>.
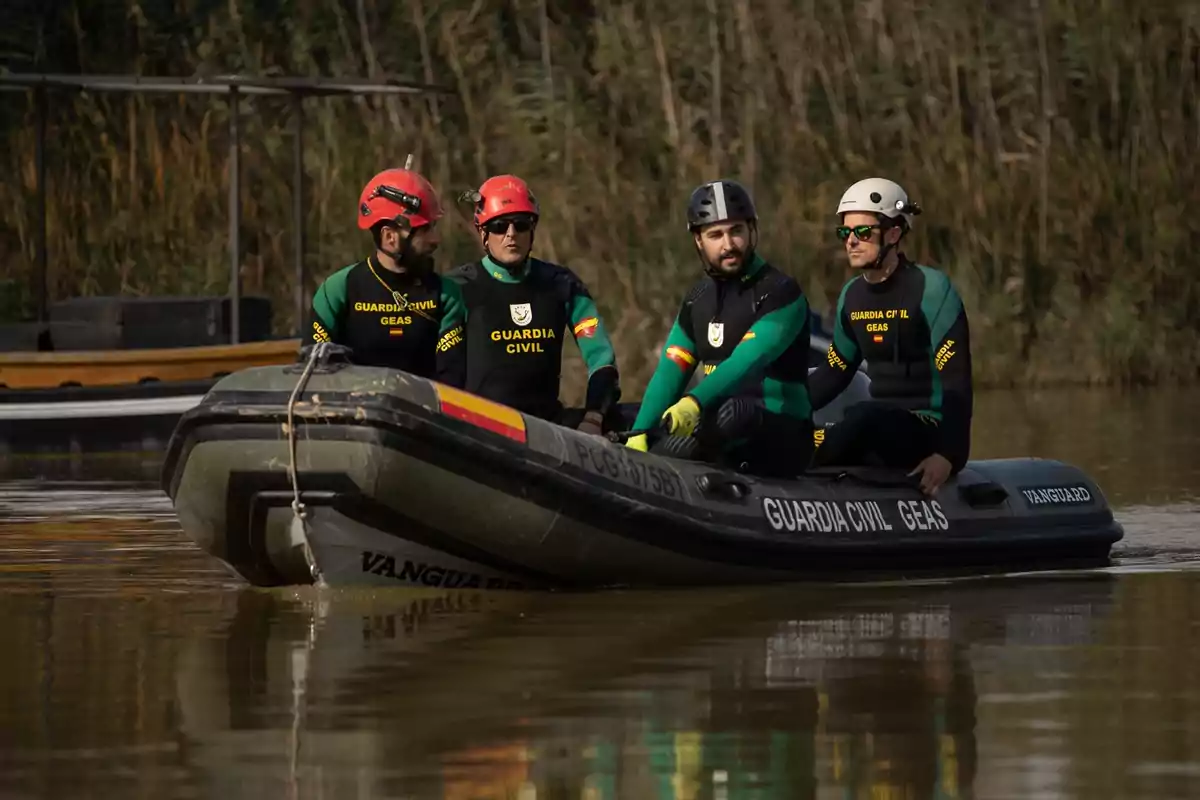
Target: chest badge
<point>522,313</point>
<point>716,333</point>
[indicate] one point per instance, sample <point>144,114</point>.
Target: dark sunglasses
<point>861,232</point>
<point>499,227</point>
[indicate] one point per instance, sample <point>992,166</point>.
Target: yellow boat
<point>114,400</point>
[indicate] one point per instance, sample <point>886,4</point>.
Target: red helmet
<point>502,195</point>
<point>397,193</point>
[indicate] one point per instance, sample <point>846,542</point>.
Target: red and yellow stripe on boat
<point>481,413</point>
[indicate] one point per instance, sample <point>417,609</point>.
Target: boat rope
<point>299,512</point>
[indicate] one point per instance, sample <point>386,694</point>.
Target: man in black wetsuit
<point>518,310</point>
<point>749,325</point>
<point>908,322</point>
<point>391,309</point>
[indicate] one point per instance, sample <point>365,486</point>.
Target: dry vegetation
<point>1052,143</point>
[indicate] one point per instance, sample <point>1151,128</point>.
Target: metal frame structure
<point>234,86</point>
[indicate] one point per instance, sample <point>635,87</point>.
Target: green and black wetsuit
<point>396,320</point>
<point>912,330</point>
<point>751,332</point>
<point>516,322</point>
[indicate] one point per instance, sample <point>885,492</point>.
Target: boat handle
<point>722,486</point>
<point>333,358</point>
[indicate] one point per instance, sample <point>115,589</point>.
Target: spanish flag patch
<point>396,332</point>
<point>877,338</point>
<point>587,328</point>
<point>682,357</point>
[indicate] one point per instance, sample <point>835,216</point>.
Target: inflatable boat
<point>331,473</point>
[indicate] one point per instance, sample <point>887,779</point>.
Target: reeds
<point>1051,142</point>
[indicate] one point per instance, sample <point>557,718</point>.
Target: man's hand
<point>682,418</point>
<point>591,424</point>
<point>934,470</point>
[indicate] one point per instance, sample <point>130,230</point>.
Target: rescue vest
<point>514,335</point>
<point>386,319</point>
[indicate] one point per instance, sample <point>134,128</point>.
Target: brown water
<point>135,667</point>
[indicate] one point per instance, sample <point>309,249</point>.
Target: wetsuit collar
<point>746,275</point>
<point>755,266</point>
<point>886,283</point>
<point>501,272</point>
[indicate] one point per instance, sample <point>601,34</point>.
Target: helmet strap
<point>886,247</point>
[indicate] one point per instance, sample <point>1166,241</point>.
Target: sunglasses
<point>499,227</point>
<point>861,232</point>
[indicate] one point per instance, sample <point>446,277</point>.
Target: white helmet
<point>879,196</point>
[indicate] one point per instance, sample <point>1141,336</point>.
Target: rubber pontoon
<point>402,481</point>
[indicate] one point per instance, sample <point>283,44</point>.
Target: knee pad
<point>738,416</point>
<point>683,447</point>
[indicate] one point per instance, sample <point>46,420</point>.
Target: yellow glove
<point>682,417</point>
<point>638,442</point>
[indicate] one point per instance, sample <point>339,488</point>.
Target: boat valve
<point>714,483</point>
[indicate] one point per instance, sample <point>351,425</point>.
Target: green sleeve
<point>451,366</point>
<point>590,333</point>
<point>828,380</point>
<point>454,308</point>
<point>766,340</point>
<point>950,352</point>
<point>940,305</point>
<point>328,306</point>
<point>675,367</point>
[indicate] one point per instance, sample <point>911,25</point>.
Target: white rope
<point>299,513</point>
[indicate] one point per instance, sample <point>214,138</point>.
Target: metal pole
<point>235,220</point>
<point>42,279</point>
<point>298,208</point>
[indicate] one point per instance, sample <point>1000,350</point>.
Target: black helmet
<point>719,201</point>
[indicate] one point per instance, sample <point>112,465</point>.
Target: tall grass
<point>1052,143</point>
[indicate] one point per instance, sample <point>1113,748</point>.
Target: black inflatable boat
<point>402,481</point>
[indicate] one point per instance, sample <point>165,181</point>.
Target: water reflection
<point>1079,685</point>
<point>143,468</point>
<point>732,694</point>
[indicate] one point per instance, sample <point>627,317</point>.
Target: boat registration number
<point>613,462</point>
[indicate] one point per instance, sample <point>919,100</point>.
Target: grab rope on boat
<point>299,526</point>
